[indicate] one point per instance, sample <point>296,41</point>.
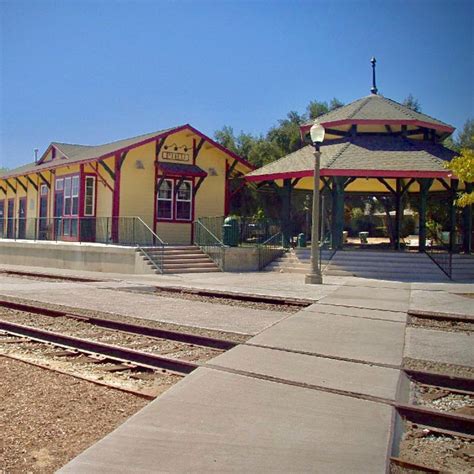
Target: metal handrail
<point>152,261</point>
<point>215,250</point>
<point>447,269</point>
<point>160,240</point>
<point>219,241</point>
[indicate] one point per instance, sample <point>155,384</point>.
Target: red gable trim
<point>222,148</point>
<point>353,173</point>
<point>416,123</point>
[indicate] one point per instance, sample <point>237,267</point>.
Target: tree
<point>463,167</point>
<point>412,103</point>
<point>466,135</point>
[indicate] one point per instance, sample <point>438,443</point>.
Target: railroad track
<point>95,346</point>
<point>118,353</point>
<point>440,316</point>
<point>421,421</point>
<point>130,328</point>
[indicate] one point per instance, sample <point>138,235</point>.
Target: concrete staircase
<point>463,267</point>
<point>178,259</point>
<point>296,261</point>
<point>384,265</point>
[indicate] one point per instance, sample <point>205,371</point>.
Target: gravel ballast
<point>47,418</point>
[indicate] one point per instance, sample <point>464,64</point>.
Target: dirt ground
<point>47,418</point>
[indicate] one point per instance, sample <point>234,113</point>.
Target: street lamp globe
<point>316,133</point>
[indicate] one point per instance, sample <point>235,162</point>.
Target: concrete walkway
<point>309,394</point>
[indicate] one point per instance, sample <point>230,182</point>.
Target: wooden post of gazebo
<point>425,185</point>
<point>286,212</point>
<point>337,212</point>
<point>467,224</point>
<point>452,215</point>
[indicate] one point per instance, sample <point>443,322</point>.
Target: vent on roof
<point>36,150</point>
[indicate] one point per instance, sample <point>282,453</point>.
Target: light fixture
<point>317,133</point>
<point>139,165</point>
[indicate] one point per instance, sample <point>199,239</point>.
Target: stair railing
<point>441,254</point>
<point>269,249</point>
<point>209,243</point>
<point>156,241</point>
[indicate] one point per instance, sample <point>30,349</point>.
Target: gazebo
<point>374,146</point>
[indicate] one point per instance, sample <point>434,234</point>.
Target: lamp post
<point>314,277</point>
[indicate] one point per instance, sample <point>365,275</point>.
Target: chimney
<point>36,155</point>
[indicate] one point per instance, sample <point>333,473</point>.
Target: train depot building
<point>165,179</point>
<point>145,190</point>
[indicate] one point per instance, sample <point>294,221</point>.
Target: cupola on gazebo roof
<point>378,110</point>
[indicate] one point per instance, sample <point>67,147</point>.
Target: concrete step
<point>191,270</point>
<point>179,259</point>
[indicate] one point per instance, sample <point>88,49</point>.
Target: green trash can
<point>230,231</point>
<point>301,240</point>
<point>363,236</point>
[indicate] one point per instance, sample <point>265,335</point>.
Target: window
<point>183,201</point>
<point>165,199</point>
<point>59,184</point>
<point>44,190</point>
<point>75,195</point>
<point>67,197</point>
<point>89,197</point>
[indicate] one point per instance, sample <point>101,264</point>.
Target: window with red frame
<point>174,200</point>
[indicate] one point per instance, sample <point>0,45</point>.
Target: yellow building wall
<point>104,187</point>
<point>210,197</point>
<point>49,156</point>
<point>174,233</point>
<point>137,183</point>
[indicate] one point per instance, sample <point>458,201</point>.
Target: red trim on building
<point>416,123</point>
<point>81,190</point>
<point>226,190</point>
<point>353,173</point>
<point>116,200</point>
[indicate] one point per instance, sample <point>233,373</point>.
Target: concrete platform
<point>331,335</point>
<point>440,346</point>
<point>389,299</point>
<point>157,308</point>
<point>324,373</point>
<point>445,301</point>
<point>219,422</point>
<point>394,316</point>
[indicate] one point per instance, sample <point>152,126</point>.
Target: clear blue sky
<point>91,72</point>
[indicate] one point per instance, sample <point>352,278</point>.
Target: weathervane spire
<point>374,87</point>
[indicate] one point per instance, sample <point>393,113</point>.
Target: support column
<point>452,215</point>
<point>337,223</point>
<point>467,223</point>
<point>398,213</point>
<point>286,212</point>
<point>425,184</point>
<point>116,201</point>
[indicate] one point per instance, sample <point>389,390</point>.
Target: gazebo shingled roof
<point>365,156</point>
<point>377,109</point>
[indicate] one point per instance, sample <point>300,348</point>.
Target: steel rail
<point>276,300</point>
<point>411,465</point>
<point>441,380</point>
<point>466,318</point>
<point>47,276</point>
<point>187,338</point>
<point>122,354</point>
<point>461,424</point>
